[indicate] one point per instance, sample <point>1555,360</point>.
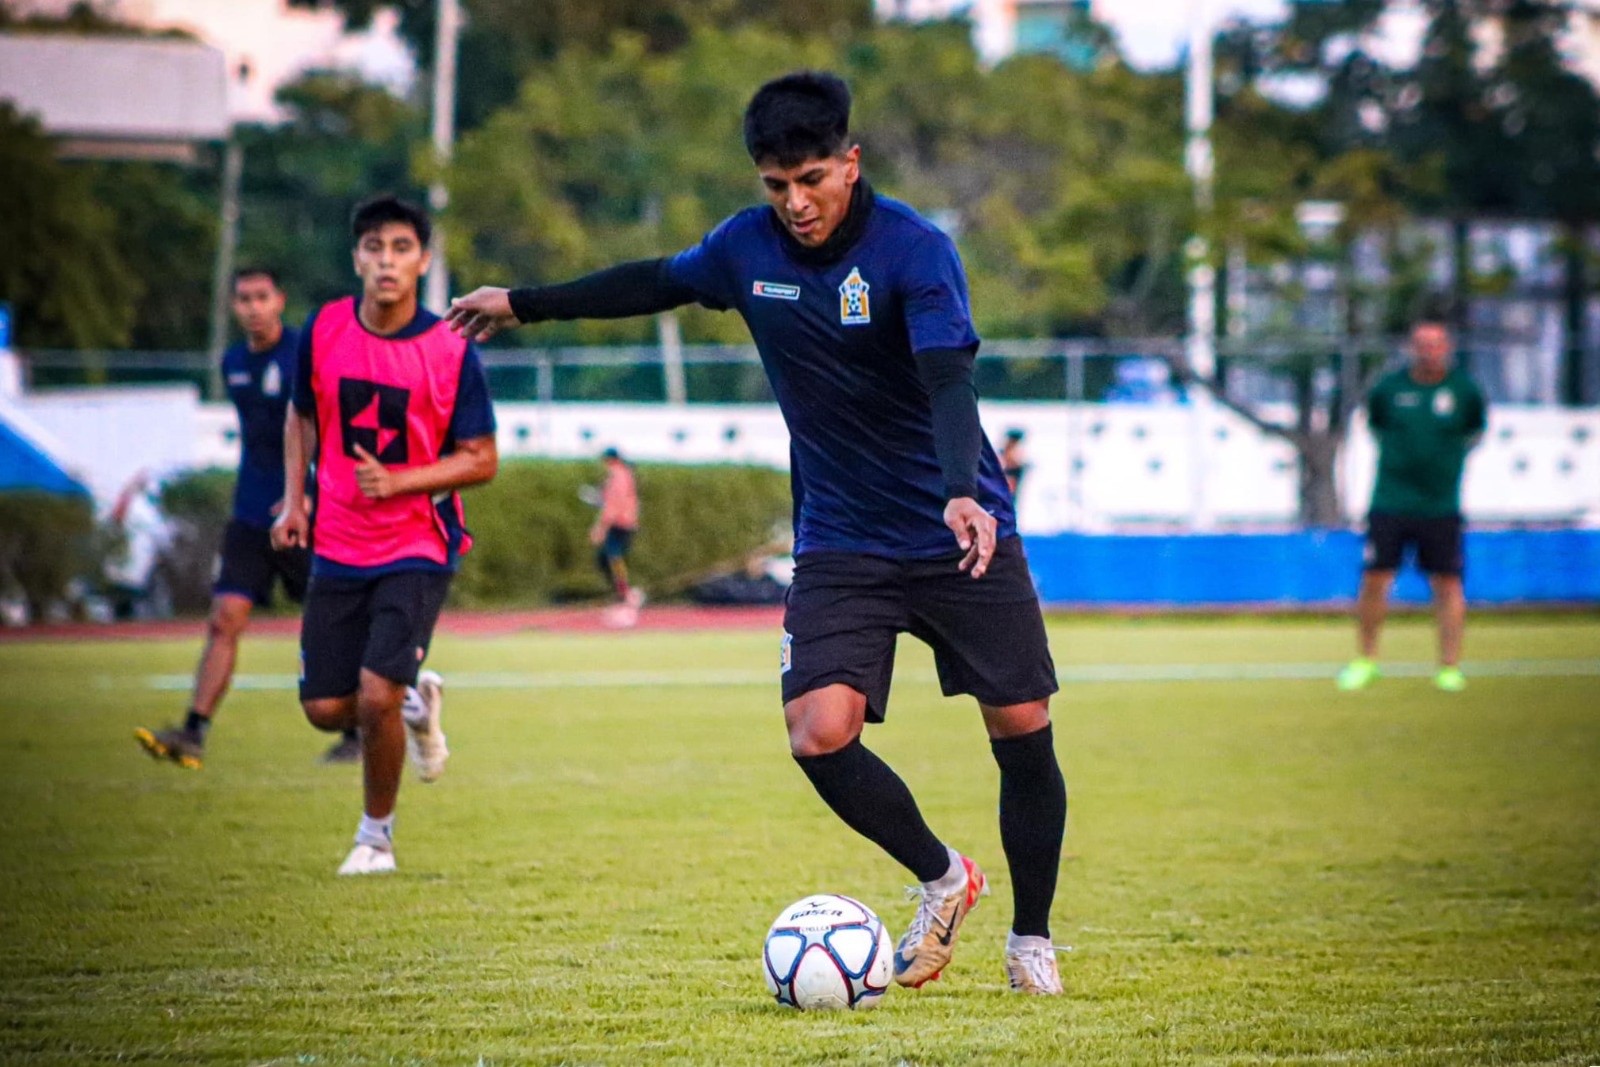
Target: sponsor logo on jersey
<point>1444,403</point>
<point>854,307</point>
<point>776,291</point>
<point>239,378</point>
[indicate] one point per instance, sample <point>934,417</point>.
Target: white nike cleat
<point>424,739</point>
<point>1031,966</point>
<point>368,859</point>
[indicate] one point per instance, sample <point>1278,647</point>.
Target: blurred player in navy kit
<point>259,374</point>
<point>904,524</point>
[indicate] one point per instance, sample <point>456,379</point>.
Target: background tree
<point>62,271</point>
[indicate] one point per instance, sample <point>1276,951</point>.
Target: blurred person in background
<point>258,372</point>
<point>612,535</point>
<point>1014,460</point>
<point>1426,417</point>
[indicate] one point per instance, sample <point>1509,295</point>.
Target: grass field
<point>1259,869</point>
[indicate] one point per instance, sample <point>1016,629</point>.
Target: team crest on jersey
<point>1444,403</point>
<point>374,417</point>
<point>854,307</point>
<point>272,380</point>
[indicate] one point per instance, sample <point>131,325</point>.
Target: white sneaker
<point>424,739</point>
<point>368,859</point>
<point>1031,966</point>
<point>620,617</point>
<point>635,598</point>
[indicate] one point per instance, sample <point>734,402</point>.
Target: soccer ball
<point>827,953</point>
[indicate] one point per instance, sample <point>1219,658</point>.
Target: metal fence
<point>1135,370</point>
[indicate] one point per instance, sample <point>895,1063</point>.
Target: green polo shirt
<point>1424,433</point>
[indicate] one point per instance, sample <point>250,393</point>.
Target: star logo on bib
<point>373,416</point>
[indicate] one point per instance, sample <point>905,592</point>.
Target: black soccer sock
<point>196,725</point>
<point>1033,819</point>
<point>873,801</point>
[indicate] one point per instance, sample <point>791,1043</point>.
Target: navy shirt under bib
<point>839,345</point>
<point>259,384</point>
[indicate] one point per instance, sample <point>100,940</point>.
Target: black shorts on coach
<point>845,611</point>
<point>384,623</point>
<point>249,566</point>
<point>1437,541</point>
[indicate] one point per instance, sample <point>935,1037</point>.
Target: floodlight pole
<point>444,135</point>
<point>1200,346</point>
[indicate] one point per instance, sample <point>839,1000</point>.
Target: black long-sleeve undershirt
<point>957,434</point>
<point>643,287</point>
<point>640,287</point>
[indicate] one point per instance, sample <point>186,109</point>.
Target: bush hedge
<point>530,527</point>
<point>46,541</point>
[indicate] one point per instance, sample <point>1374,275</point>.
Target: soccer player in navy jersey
<point>259,373</point>
<point>859,309</point>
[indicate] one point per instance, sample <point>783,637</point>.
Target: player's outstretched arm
<point>474,461</point>
<point>482,313</point>
<point>642,287</point>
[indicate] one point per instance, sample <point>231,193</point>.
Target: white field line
<point>1111,672</point>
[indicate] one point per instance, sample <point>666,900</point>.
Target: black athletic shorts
<point>846,610</point>
<point>617,543</point>
<point>249,566</point>
<point>1437,541</point>
<point>383,624</point>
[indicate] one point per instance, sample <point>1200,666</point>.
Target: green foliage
<point>503,40</point>
<point>63,271</point>
<point>344,141</point>
<point>530,529</point>
<point>1255,872</point>
<point>1065,188</point>
<point>46,541</point>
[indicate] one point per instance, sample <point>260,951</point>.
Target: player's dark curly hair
<point>798,117</point>
<point>375,211</point>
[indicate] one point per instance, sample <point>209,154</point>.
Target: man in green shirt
<point>1426,417</point>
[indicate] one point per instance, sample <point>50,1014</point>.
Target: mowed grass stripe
<point>1111,672</point>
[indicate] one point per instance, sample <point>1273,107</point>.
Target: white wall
<point>1091,466</point>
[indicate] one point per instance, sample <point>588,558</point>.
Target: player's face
<point>1431,349</point>
<point>389,260</point>
<point>813,198</point>
<point>257,305</point>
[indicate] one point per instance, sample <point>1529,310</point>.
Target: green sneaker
<point>1357,674</point>
<point>1450,679</point>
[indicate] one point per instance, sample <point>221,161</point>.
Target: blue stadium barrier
<point>1301,568</point>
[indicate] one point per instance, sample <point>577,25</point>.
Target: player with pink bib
<point>395,409</point>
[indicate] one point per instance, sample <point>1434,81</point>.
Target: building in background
<point>265,43</point>
<point>1002,28</point>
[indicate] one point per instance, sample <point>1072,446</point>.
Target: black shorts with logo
<point>845,611</point>
<point>249,566</point>
<point>1437,541</point>
<point>384,624</point>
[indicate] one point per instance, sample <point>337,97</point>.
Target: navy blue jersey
<point>839,344</point>
<point>259,384</point>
